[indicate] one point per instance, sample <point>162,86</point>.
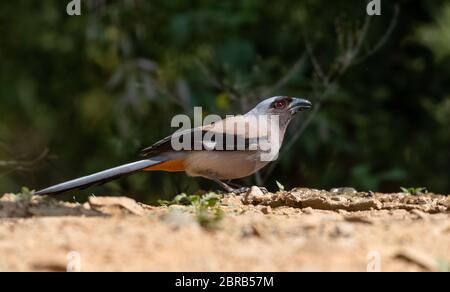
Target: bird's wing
<point>234,133</point>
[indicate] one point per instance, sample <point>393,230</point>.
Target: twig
<point>233,92</point>
<point>286,77</point>
<point>316,65</point>
<point>341,65</point>
<point>346,59</point>
<point>21,165</point>
<point>385,37</point>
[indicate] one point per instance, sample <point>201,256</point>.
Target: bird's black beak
<point>299,105</point>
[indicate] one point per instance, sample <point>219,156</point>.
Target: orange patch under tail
<point>171,165</point>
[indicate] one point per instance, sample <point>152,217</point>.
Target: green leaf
<point>280,186</point>
<point>404,190</point>
<point>25,195</point>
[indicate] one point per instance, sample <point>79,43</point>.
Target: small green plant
<point>25,195</point>
<point>414,191</point>
<point>280,186</point>
<point>181,199</point>
<point>207,210</point>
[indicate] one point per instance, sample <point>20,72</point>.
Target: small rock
<point>11,206</point>
<point>252,230</point>
<point>447,203</point>
<point>231,200</point>
<point>256,230</point>
<point>255,195</point>
<point>442,209</point>
<point>342,212</point>
<point>146,207</point>
<point>308,210</point>
<point>254,191</point>
<point>311,222</point>
<point>344,190</point>
<point>8,198</point>
<point>339,199</point>
<point>266,210</point>
<point>108,204</point>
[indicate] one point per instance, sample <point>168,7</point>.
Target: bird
<point>221,151</point>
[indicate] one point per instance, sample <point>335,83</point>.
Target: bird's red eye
<point>280,104</point>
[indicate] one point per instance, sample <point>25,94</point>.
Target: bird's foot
<point>243,190</point>
<point>239,190</point>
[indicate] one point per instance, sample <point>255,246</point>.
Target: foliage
<point>437,35</point>
<point>414,191</point>
<point>24,195</point>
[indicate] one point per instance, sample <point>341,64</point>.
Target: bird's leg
<point>239,189</point>
<point>224,186</point>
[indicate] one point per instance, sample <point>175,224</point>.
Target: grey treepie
<point>226,149</point>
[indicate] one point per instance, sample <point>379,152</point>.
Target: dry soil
<point>299,230</point>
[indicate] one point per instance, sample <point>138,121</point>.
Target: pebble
<point>344,190</point>
<point>266,210</point>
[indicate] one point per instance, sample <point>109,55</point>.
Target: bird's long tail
<point>102,177</point>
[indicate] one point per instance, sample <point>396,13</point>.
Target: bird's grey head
<point>283,106</point>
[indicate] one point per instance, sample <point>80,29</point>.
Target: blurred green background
<point>83,93</point>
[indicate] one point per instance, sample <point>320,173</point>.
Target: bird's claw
<point>244,190</point>
<point>264,190</point>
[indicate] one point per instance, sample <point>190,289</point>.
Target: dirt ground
<point>299,230</point>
